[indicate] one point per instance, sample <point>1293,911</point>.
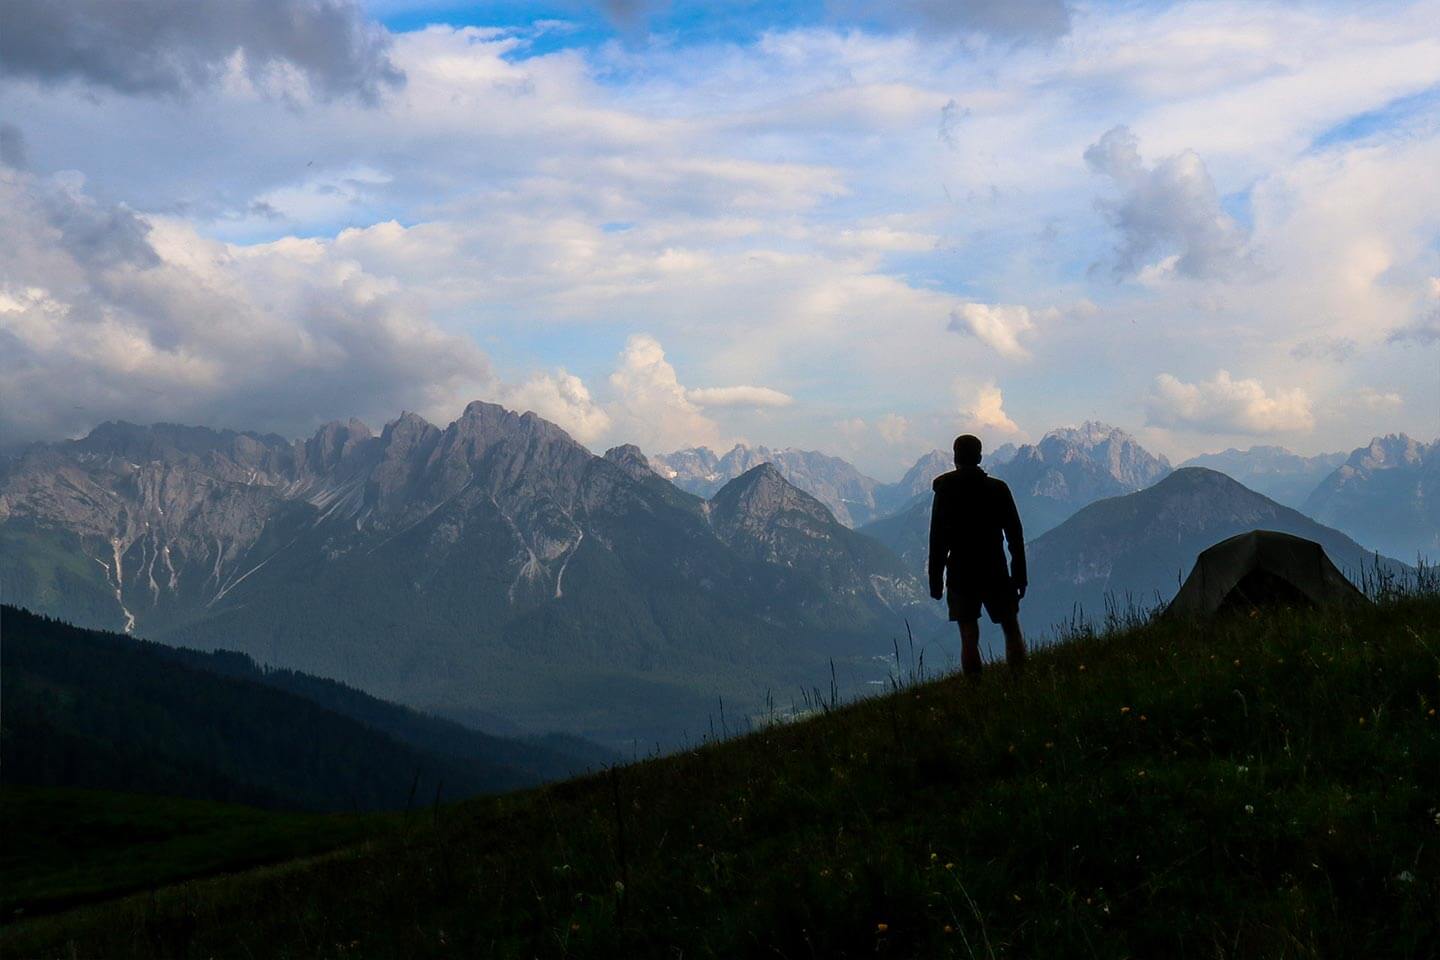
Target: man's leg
<point>970,647</point>
<point>1014,644</point>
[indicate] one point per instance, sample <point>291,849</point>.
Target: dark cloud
<point>174,46</point>
<point>1166,209</point>
<point>12,147</point>
<point>105,315</point>
<point>1425,330</point>
<point>1336,349</point>
<point>1022,20</point>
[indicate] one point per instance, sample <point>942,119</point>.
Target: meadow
<point>1267,785</point>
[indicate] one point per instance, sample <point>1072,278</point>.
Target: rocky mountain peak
<point>1389,451</point>
<point>629,458</point>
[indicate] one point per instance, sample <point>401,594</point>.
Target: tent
<point>1262,568</point>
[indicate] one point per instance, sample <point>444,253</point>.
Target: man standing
<point>971,515</point>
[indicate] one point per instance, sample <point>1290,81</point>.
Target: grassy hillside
<point>1268,787</point>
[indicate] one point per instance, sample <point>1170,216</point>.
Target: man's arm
<point>939,549</point>
<point>1015,538</point>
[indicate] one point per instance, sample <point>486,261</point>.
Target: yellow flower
<point>934,857</point>
<point>949,929</point>
<point>1124,709</point>
<point>949,866</point>
<point>1362,721</point>
<point>882,927</point>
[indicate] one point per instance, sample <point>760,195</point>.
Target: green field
<point>64,847</point>
<point>1265,787</point>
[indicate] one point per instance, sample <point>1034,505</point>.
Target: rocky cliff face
<point>492,565</point>
<point>1387,496</point>
<point>1273,471</point>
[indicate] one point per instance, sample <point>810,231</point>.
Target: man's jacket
<point>973,517</point>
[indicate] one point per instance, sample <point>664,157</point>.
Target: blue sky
<point>850,226</point>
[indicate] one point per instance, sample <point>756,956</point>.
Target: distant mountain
<point>1274,471</point>
<point>492,568</point>
<point>1142,545</point>
<point>1387,496</point>
<point>1072,467</point>
<point>848,493</point>
<point>1066,470</point>
<point>762,516</point>
<point>101,710</point>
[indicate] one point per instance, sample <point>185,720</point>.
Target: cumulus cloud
<point>175,46</point>
<point>740,396</point>
<point>998,326</point>
<point>562,398</point>
<point>650,406</point>
<point>982,408</point>
<point>105,313</point>
<point>1007,19</point>
<point>1168,213</point>
<point>1223,404</point>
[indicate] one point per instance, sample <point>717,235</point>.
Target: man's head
<point>967,450</point>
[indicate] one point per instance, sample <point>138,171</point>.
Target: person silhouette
<point>972,512</point>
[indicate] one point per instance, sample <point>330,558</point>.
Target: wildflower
<point>1049,745</point>
<point>951,866</point>
<point>882,928</point>
<point>1015,897</point>
<point>1431,713</point>
<point>575,926</point>
<point>1405,876</point>
<point>619,887</point>
<point>934,857</point>
<point>1124,709</point>
<point>949,929</point>
<point>1143,718</point>
<point>1082,668</point>
<point>825,872</point>
<point>1362,721</point>
<point>1250,808</point>
<point>1237,663</point>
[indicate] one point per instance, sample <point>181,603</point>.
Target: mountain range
<point>490,568</point>
<point>1286,477</point>
<point>853,497</point>
<point>1387,495</point>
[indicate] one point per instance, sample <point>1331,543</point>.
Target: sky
<point>851,226</point>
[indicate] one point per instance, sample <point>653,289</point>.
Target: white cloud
<point>1168,209</point>
<point>982,408</point>
<point>650,407</point>
<point>1225,405</point>
<point>1376,401</point>
<point>561,398</point>
<point>739,396</point>
<point>104,313</point>
<point>998,325</point>
<point>893,429</point>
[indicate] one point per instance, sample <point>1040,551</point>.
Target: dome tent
<point>1262,568</point>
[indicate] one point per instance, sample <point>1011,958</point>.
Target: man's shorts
<point>1000,601</point>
